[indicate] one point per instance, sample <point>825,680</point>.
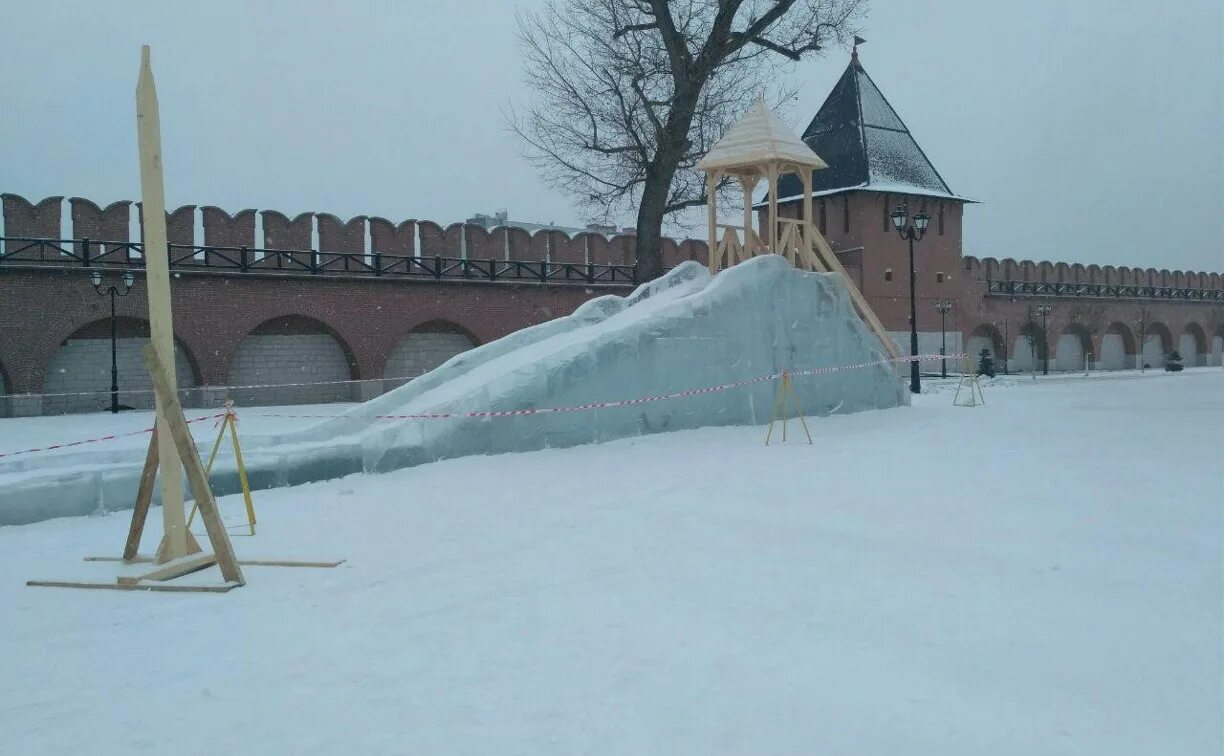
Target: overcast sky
<point>1091,131</point>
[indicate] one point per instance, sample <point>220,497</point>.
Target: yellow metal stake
<point>785,409</point>
<point>969,376</point>
<point>785,389</point>
<point>229,422</point>
<point>242,476</point>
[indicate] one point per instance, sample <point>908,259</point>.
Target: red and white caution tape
<point>185,389</point>
<point>527,411</point>
<point>100,438</point>
<point>624,402</point>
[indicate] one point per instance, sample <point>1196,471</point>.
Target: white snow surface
<point>1040,575</point>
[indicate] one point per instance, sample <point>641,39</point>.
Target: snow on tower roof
<point>759,137</point>
<point>867,145</point>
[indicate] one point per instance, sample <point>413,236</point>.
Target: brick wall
<point>290,358</point>
<point>84,365</point>
<point>422,351</point>
<point>367,317</point>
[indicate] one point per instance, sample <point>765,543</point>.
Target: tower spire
<point>854,61</point>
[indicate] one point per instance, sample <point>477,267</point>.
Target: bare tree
<point>632,93</point>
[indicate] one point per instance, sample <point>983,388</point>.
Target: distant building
<point>1108,317</point>
<point>502,218</point>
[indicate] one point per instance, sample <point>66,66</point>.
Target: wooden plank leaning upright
<point>174,543</point>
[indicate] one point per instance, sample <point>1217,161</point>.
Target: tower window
<point>939,278</point>
<point>941,220</point>
<point>824,220</point>
<point>888,274</point>
<point>846,214</point>
<point>887,220</point>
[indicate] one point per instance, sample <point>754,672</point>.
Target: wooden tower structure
<point>760,146</point>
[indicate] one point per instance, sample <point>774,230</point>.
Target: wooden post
<point>773,206</point>
<point>711,204</point>
<point>157,282</point>
<point>196,477</point>
<point>805,175</point>
<point>748,183</point>
<point>144,496</point>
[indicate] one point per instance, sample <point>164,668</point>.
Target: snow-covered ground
<point>1041,575</point>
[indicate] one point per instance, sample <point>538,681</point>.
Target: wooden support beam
<point>171,570</point>
<point>150,587</point>
<point>748,184</point>
<point>805,175</point>
<point>144,497</point>
<point>157,289</point>
<point>144,558</point>
<point>289,563</point>
<point>190,456</point>
<point>773,207</point>
<point>715,248</point>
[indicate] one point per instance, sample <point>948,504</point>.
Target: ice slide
<point>686,330</point>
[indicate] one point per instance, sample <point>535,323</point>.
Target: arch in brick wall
<point>985,336</point>
<point>1157,342</point>
<point>427,346</point>
<point>1074,343</point>
<point>1193,345</point>
<point>293,349</point>
<point>1029,348</point>
<point>82,365</point>
<point>1117,347</point>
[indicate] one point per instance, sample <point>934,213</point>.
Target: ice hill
<point>684,331</point>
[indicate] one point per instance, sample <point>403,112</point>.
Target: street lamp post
<point>1006,336</point>
<point>1142,338</point>
<point>944,306</point>
<point>113,292</point>
<point>913,233</point>
<point>1044,311</point>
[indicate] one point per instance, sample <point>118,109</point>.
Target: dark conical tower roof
<point>866,144</point>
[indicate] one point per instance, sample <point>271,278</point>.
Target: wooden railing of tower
<point>802,244</point>
<point>730,247</point>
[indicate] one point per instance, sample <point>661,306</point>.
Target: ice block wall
<point>684,331</point>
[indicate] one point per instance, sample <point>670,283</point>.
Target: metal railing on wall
<point>1009,288</point>
<point>23,252</point>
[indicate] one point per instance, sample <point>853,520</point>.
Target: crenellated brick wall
<point>383,329</point>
